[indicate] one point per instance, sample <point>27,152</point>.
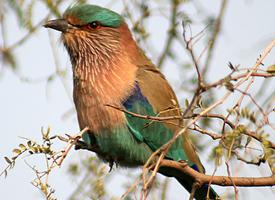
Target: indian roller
<point>110,69</point>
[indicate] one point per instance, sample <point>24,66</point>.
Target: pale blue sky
<point>24,107</point>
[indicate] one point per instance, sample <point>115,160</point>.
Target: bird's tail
<point>201,193</point>
<point>187,183</point>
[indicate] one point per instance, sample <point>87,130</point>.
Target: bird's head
<point>91,32</point>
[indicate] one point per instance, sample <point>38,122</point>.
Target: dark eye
<point>94,25</point>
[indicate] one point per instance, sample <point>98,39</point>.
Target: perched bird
<point>110,69</point>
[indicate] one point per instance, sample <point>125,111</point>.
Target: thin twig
<point>71,142</point>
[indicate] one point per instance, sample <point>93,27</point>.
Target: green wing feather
<point>154,134</point>
<point>160,101</point>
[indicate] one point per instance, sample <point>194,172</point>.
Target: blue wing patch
<point>154,134</point>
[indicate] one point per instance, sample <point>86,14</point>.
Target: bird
<point>111,71</point>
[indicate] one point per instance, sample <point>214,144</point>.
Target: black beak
<point>57,24</point>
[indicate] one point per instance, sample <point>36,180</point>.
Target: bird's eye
<point>94,25</point>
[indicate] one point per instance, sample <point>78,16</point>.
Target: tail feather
<point>201,193</point>
<point>187,183</point>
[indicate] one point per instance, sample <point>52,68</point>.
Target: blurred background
<point>36,87</point>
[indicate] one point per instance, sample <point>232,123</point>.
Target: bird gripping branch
<point>110,69</point>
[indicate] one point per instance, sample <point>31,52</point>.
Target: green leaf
<point>186,103</point>
<point>271,69</point>
<point>22,147</point>
<point>34,149</point>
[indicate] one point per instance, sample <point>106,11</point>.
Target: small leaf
<point>53,137</point>
<point>8,160</point>
<point>271,69</point>
<point>248,141</point>
<point>51,78</point>
<point>29,143</point>
<point>34,149</point>
<point>16,151</point>
<point>46,133</point>
<point>229,86</point>
<point>186,102</point>
<point>22,147</point>
<point>8,58</point>
<point>231,66</point>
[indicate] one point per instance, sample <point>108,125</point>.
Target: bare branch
<point>219,180</point>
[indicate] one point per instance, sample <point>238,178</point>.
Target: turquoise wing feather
<point>154,134</point>
<point>154,96</point>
